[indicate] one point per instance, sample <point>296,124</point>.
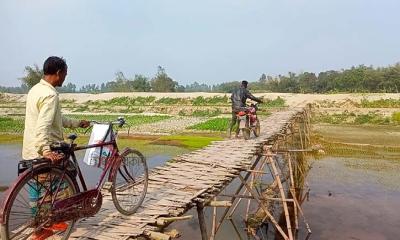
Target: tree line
<point>354,80</point>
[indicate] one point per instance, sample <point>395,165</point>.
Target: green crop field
<point>16,124</point>
<point>215,124</point>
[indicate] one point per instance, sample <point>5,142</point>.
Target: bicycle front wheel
<point>30,203</point>
<point>129,184</point>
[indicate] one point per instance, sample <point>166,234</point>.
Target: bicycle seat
<point>72,136</point>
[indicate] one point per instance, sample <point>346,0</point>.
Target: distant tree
<point>307,82</point>
<point>162,82</point>
<point>90,88</point>
<point>33,76</point>
<point>68,88</point>
<point>226,87</point>
<point>197,87</point>
<point>180,88</point>
<point>141,83</point>
<point>263,78</point>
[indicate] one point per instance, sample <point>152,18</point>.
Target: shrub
<point>169,101</point>
<point>381,103</point>
<point>216,100</point>
<point>396,117</point>
<point>278,102</point>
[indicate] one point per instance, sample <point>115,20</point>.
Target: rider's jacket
<point>239,97</point>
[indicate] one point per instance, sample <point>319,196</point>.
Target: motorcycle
<point>249,122</point>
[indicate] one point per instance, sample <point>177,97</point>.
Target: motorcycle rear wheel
<point>246,131</point>
<point>257,129</point>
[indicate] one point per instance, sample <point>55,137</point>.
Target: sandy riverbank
<point>292,99</point>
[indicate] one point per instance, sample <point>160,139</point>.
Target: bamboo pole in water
<point>285,207</point>
<point>302,214</point>
<point>202,223</point>
<point>214,221</point>
<point>249,200</point>
<point>272,219</point>
<point>293,191</point>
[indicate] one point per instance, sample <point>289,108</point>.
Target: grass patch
<point>12,125</point>
<point>128,101</point>
<point>396,117</point>
<point>187,141</point>
<point>379,142</point>
<point>352,118</point>
<point>216,100</point>
<point>131,120</point>
<point>381,103</point>
<point>278,102</point>
<point>215,124</point>
<point>170,101</point>
<point>16,125</point>
<point>10,138</point>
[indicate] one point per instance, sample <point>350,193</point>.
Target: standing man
<point>43,119</point>
<point>238,98</point>
<point>44,126</point>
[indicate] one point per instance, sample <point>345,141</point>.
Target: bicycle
<point>46,200</point>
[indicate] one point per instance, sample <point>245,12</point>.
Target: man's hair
<point>244,83</point>
<point>54,64</point>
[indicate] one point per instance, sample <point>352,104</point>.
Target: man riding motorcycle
<point>238,98</point>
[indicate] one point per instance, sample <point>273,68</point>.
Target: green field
<point>16,124</point>
<point>215,124</point>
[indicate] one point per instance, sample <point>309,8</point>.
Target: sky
<point>208,41</point>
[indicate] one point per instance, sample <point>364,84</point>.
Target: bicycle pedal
<point>107,186</point>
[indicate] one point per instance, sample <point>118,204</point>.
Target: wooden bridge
<point>197,179</point>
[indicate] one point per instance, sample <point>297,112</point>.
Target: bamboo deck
<point>177,186</point>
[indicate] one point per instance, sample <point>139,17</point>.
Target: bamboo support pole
<point>202,223</point>
<point>263,163</point>
<point>256,161</point>
<point>249,200</point>
<point>302,214</point>
<point>214,220</point>
<point>250,197</point>
<point>215,203</point>
<point>165,220</point>
<point>264,208</point>
<point>285,207</point>
<point>157,235</point>
<point>293,191</point>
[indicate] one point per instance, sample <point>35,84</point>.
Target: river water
<point>350,198</point>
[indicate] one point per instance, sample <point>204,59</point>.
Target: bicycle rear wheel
<point>29,205</point>
<point>129,184</point>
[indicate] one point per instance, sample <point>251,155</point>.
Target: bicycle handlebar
<point>120,122</point>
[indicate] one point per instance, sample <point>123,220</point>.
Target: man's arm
<point>70,123</point>
<point>249,95</point>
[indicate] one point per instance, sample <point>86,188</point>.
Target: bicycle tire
<point>27,180</point>
<point>126,182</point>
